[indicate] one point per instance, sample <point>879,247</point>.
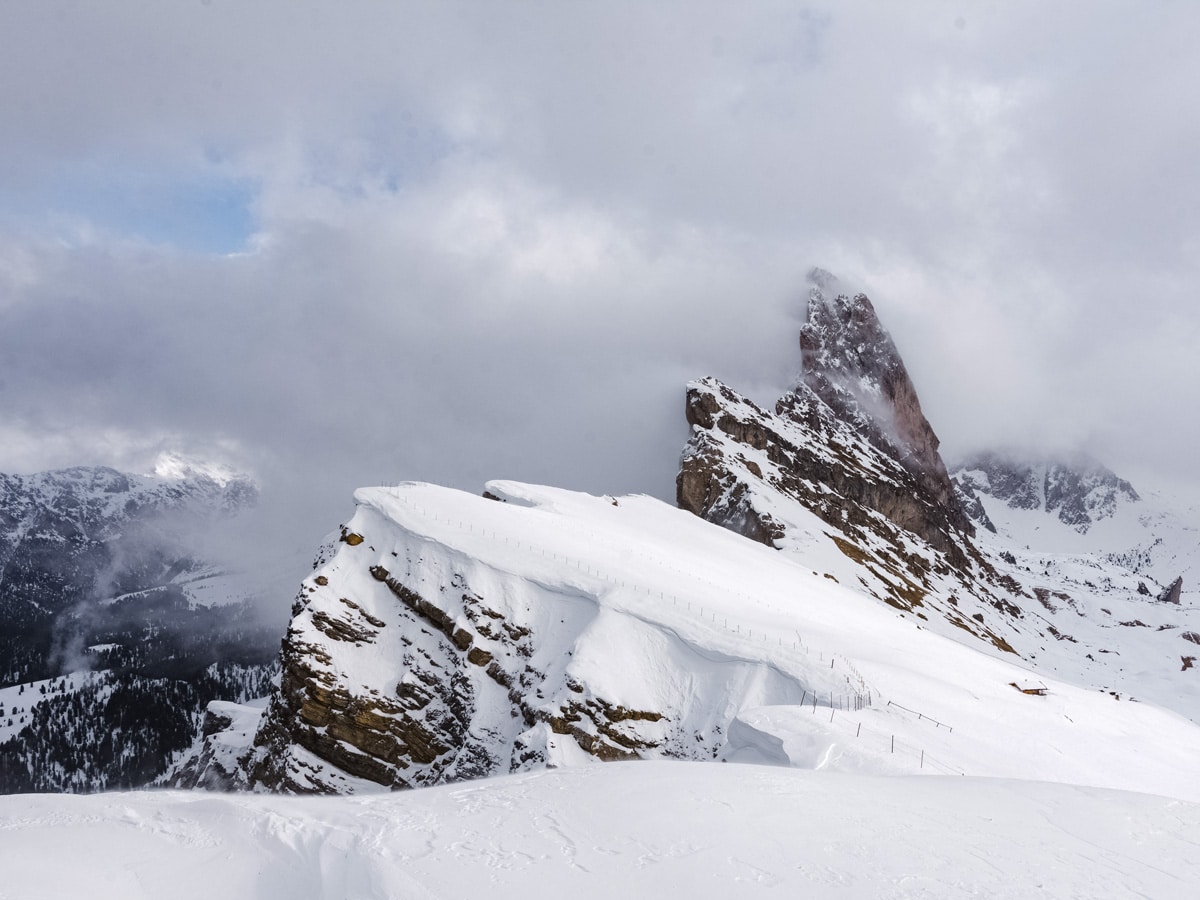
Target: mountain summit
<point>849,437</point>
<point>852,365</point>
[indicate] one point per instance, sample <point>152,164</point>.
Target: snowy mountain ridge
<point>530,632</point>
<point>172,466</point>
<point>98,499</point>
<point>448,636</point>
<point>89,534</point>
<point>636,630</point>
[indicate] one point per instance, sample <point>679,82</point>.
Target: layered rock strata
<point>852,365</point>
<point>848,441</point>
<point>410,663</point>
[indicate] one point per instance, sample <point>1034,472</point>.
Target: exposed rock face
<point>401,737</point>
<point>758,473</point>
<point>1078,492</point>
<point>851,363</point>
<point>408,664</point>
<point>809,454</point>
<point>850,437</point>
<point>1172,592</point>
<point>972,505</point>
<point>707,485</point>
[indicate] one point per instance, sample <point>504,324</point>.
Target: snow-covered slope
<point>1114,581</point>
<point>1083,509</point>
<point>628,829</point>
<point>557,628</point>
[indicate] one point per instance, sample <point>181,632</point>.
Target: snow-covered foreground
<point>662,829</point>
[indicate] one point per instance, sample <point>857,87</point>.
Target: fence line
<point>886,740</point>
<point>921,716</point>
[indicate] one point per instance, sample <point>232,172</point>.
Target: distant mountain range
<point>115,631</point>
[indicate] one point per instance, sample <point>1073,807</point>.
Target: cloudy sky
<point>348,243</point>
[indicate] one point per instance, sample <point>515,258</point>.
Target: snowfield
<point>865,755</point>
<point>674,613</point>
<point>642,829</point>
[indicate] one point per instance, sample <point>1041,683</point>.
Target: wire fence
<point>881,742</point>
<point>921,717</point>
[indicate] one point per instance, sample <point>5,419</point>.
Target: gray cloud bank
<point>494,240</point>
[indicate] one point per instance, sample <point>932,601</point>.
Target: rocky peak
<point>850,432</point>
<point>850,446</point>
<point>851,363</point>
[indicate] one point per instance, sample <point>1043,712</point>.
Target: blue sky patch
<point>201,213</point>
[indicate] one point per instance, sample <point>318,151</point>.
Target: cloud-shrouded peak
<point>824,280</point>
<point>173,466</point>
<point>851,362</point>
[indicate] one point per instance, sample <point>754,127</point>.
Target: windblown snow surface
<point>642,829</point>
<point>952,782</point>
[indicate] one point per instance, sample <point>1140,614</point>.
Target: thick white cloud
<point>495,239</point>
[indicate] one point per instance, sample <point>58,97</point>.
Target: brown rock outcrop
<point>851,363</point>
<point>849,444</point>
<point>849,437</point>
<point>403,681</point>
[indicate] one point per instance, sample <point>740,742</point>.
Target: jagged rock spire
<point>852,364</point>
<point>849,442</point>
